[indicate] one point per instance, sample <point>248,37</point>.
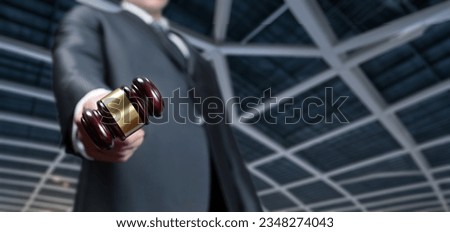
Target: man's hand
<point>121,151</point>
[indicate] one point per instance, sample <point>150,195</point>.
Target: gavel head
<point>122,112</point>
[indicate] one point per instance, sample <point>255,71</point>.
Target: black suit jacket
<point>170,171</point>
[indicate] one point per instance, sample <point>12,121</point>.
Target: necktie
<point>169,47</point>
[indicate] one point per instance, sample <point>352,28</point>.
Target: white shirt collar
<point>142,14</point>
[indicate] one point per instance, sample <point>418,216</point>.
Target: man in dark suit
<point>175,166</point>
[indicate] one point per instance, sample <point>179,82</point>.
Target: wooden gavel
<point>122,112</point>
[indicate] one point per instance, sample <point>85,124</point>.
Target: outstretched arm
<point>78,74</point>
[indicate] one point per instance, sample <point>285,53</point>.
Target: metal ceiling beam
<point>8,207</point>
<point>347,168</point>
<point>266,191</point>
<point>54,206</point>
<point>323,203</point>
<point>373,203</point>
<point>444,168</point>
<point>44,179</point>
<point>392,190</point>
<point>399,199</point>
<point>367,162</point>
<point>309,168</point>
<point>283,191</point>
<point>310,15</point>
<point>28,144</point>
<point>29,120</point>
<point>344,209</point>
<point>26,90</point>
<point>370,52</point>
<point>443,180</point>
<point>353,166</point>
<point>420,96</point>
<point>12,200</point>
<point>61,178</point>
<point>43,209</point>
<point>20,172</point>
<point>373,176</point>
<point>25,49</point>
<point>290,209</point>
<point>15,158</point>
<point>351,62</point>
<point>432,209</point>
<point>328,202</point>
<point>269,50</point>
<point>14,193</point>
<point>258,136</point>
<point>333,133</point>
<point>330,182</point>
<point>17,182</point>
<point>55,199</point>
<point>301,182</point>
<point>269,20</point>
<point>224,79</point>
<point>316,24</point>
<point>289,93</point>
<point>74,167</point>
<point>354,60</point>
<point>402,104</point>
<point>59,189</point>
<point>367,93</point>
<point>407,206</point>
<point>221,19</point>
<point>364,163</point>
<point>435,142</point>
<point>423,18</point>
<point>317,140</point>
<point>413,99</point>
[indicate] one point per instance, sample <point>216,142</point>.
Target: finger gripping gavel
<point>122,112</point>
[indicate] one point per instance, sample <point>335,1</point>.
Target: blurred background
<point>391,57</point>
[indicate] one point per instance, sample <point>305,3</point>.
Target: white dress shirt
<point>148,19</point>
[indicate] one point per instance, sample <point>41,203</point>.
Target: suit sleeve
<point>78,64</point>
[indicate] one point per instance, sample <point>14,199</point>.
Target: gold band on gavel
<point>122,111</point>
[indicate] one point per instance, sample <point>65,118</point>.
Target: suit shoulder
<point>83,14</point>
